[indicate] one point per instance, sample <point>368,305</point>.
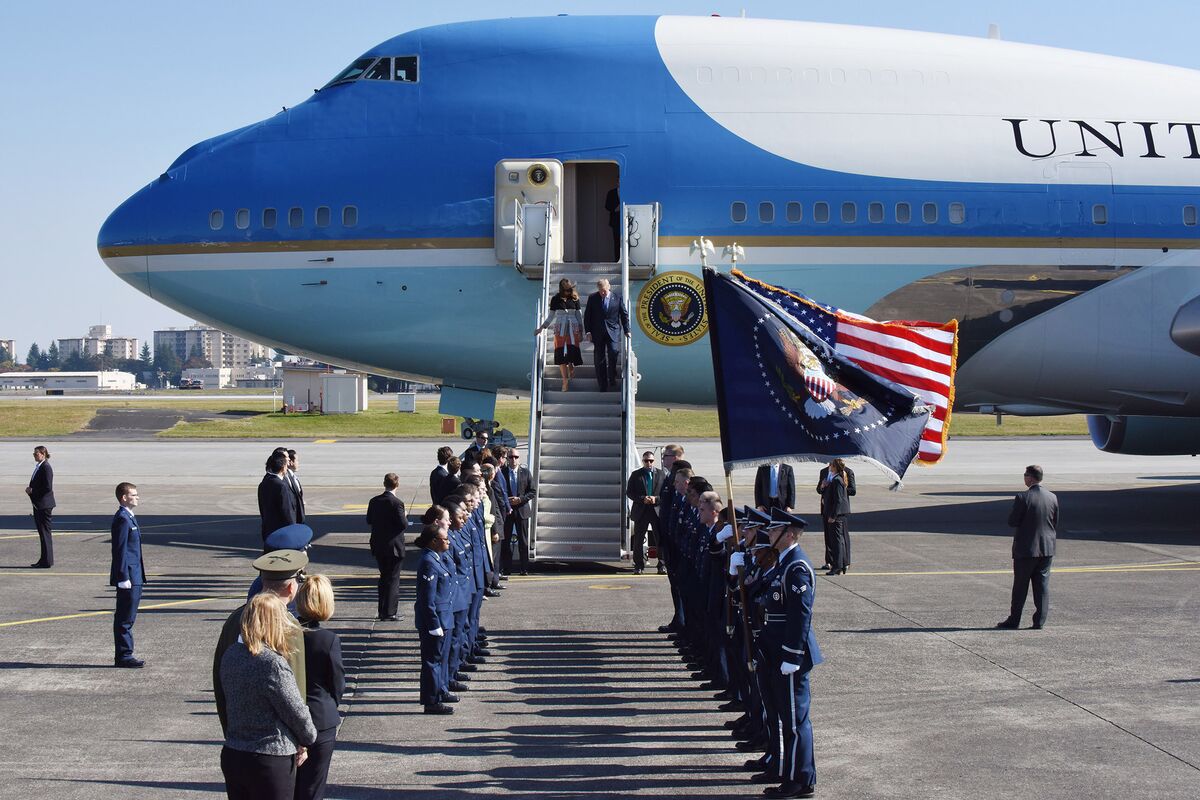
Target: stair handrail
<point>518,235</point>
<point>536,374</point>
<point>628,389</point>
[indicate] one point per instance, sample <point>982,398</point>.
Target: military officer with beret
<point>281,571</point>
<point>788,650</point>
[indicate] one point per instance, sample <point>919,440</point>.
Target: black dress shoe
<point>482,651</point>
<point>39,565</point>
<point>524,573</point>
<point>467,668</point>
<point>825,566</point>
<point>457,686</point>
<point>765,777</point>
<point>790,789</point>
<point>637,570</point>
<point>473,660</point>
<point>756,764</point>
<point>1037,626</point>
<point>438,708</point>
<point>390,618</point>
<point>1009,624</point>
<point>503,577</point>
<point>491,593</point>
<point>461,677</point>
<point>750,745</point>
<point>665,629</point>
<point>129,663</point>
<point>732,705</point>
<point>724,695</point>
<point>662,570</point>
<point>449,697</point>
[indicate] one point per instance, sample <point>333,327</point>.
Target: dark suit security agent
<point>775,487</point>
<point>388,521</point>
<point>517,483</point>
<point>41,494</point>
<point>276,501</point>
<point>643,489</point>
<point>1034,515</point>
<point>128,574</point>
<point>604,319</point>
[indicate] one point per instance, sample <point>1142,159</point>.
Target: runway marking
<point>1172,566</point>
<point>610,587</point>
<point>108,612</point>
<point>324,441</point>
<point>256,550</point>
<point>56,534</point>
<point>31,573</point>
<point>352,507</point>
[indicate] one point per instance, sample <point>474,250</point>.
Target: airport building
<point>107,381</point>
<point>9,346</point>
<point>324,390</point>
<point>222,350</point>
<point>99,341</point>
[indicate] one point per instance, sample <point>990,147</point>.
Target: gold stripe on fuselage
<point>486,243</point>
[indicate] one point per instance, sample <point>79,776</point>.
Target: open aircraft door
<point>643,239</point>
<point>528,194</point>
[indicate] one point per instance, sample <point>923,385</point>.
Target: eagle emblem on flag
<point>821,393</point>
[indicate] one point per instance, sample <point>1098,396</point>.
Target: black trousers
<point>123,619</point>
<point>829,537</point>
<point>638,542</point>
<point>389,577</point>
<point>839,555</point>
<point>314,772</point>
<point>254,776</point>
<point>604,358</point>
<point>516,529</point>
<point>1035,571</point>
<point>41,520</point>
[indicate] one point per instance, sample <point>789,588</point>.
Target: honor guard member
<point>740,573</point>
<point>434,615</point>
<point>282,572</point>
<point>789,651</point>
<point>760,725</point>
<point>127,574</point>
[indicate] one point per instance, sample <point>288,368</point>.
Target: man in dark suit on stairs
<point>604,319</point>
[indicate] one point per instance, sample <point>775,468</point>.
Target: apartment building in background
<point>99,341</point>
<point>223,350</point>
<point>10,346</point>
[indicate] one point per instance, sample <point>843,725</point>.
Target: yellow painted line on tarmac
<point>108,612</point>
<point>324,441</point>
<point>41,573</point>
<point>1180,566</point>
<point>610,587</point>
<point>354,506</point>
<point>56,534</point>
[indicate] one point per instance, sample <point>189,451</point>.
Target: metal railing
<point>536,373</point>
<point>629,379</point>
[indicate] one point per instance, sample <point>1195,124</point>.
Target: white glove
<point>125,585</point>
<point>725,534</point>
<point>736,560</point>
<point>787,669</point>
<point>438,632</point>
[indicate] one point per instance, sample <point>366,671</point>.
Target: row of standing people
<point>743,608</point>
<point>775,487</point>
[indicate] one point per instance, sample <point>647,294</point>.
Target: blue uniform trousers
<point>791,698</point>
<point>456,644</point>
<point>433,675</point>
<point>472,623</point>
<point>763,676</point>
<point>123,619</point>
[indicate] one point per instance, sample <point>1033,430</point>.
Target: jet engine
<point>1145,436</point>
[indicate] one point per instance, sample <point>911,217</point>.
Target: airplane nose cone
<point>122,241</point>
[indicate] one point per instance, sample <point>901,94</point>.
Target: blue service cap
<point>290,537</point>
<point>754,517</point>
<point>784,519</point>
<point>762,540</point>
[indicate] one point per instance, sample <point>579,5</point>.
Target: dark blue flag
<point>785,394</point>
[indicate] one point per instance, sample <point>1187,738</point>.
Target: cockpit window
<point>381,70</point>
<point>405,69</point>
<point>400,69</point>
<point>352,72</point>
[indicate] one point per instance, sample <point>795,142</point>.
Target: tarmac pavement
<point>919,696</point>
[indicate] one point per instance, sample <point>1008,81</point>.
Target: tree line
<point>161,369</point>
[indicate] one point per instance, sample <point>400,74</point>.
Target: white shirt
<point>36,467</point>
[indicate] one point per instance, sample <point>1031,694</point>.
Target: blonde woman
<point>269,727</point>
<point>325,683</point>
<point>568,330</point>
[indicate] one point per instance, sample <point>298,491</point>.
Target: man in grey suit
<point>1035,516</point>
<point>642,490</point>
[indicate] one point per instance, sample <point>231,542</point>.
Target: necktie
<point>649,483</point>
<point>774,480</point>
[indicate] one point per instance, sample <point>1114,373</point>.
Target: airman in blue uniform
<point>788,651</point>
<point>434,616</point>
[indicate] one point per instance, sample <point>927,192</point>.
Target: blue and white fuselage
<point>1045,198</point>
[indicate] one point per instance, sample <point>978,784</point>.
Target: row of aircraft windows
<point>295,217</point>
<point>813,76</point>
<point>901,213</point>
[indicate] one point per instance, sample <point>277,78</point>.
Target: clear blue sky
<point>99,97</point>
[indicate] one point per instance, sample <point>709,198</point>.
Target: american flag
<point>920,356</point>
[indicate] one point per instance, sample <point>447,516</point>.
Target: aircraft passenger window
<point>766,212</point>
<point>957,213</point>
<point>929,213</point>
<point>849,212</point>
<point>270,217</point>
<point>737,211</point>
<point>795,212</point>
<point>350,216</point>
<point>903,213</point>
<point>322,216</point>
<point>1099,215</point>
<point>242,219</point>
<point>352,72</point>
<point>1189,215</point>
<point>875,212</point>
<point>381,70</point>
<point>216,220</point>
<point>295,217</point>
<point>821,212</point>
<point>405,69</point>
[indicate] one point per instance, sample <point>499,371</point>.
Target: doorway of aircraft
<point>591,212</point>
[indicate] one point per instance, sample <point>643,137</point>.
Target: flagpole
<point>741,573</point>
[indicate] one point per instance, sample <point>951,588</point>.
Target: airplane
<point>1045,198</point>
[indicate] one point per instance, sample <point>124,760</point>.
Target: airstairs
<point>581,444</point>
